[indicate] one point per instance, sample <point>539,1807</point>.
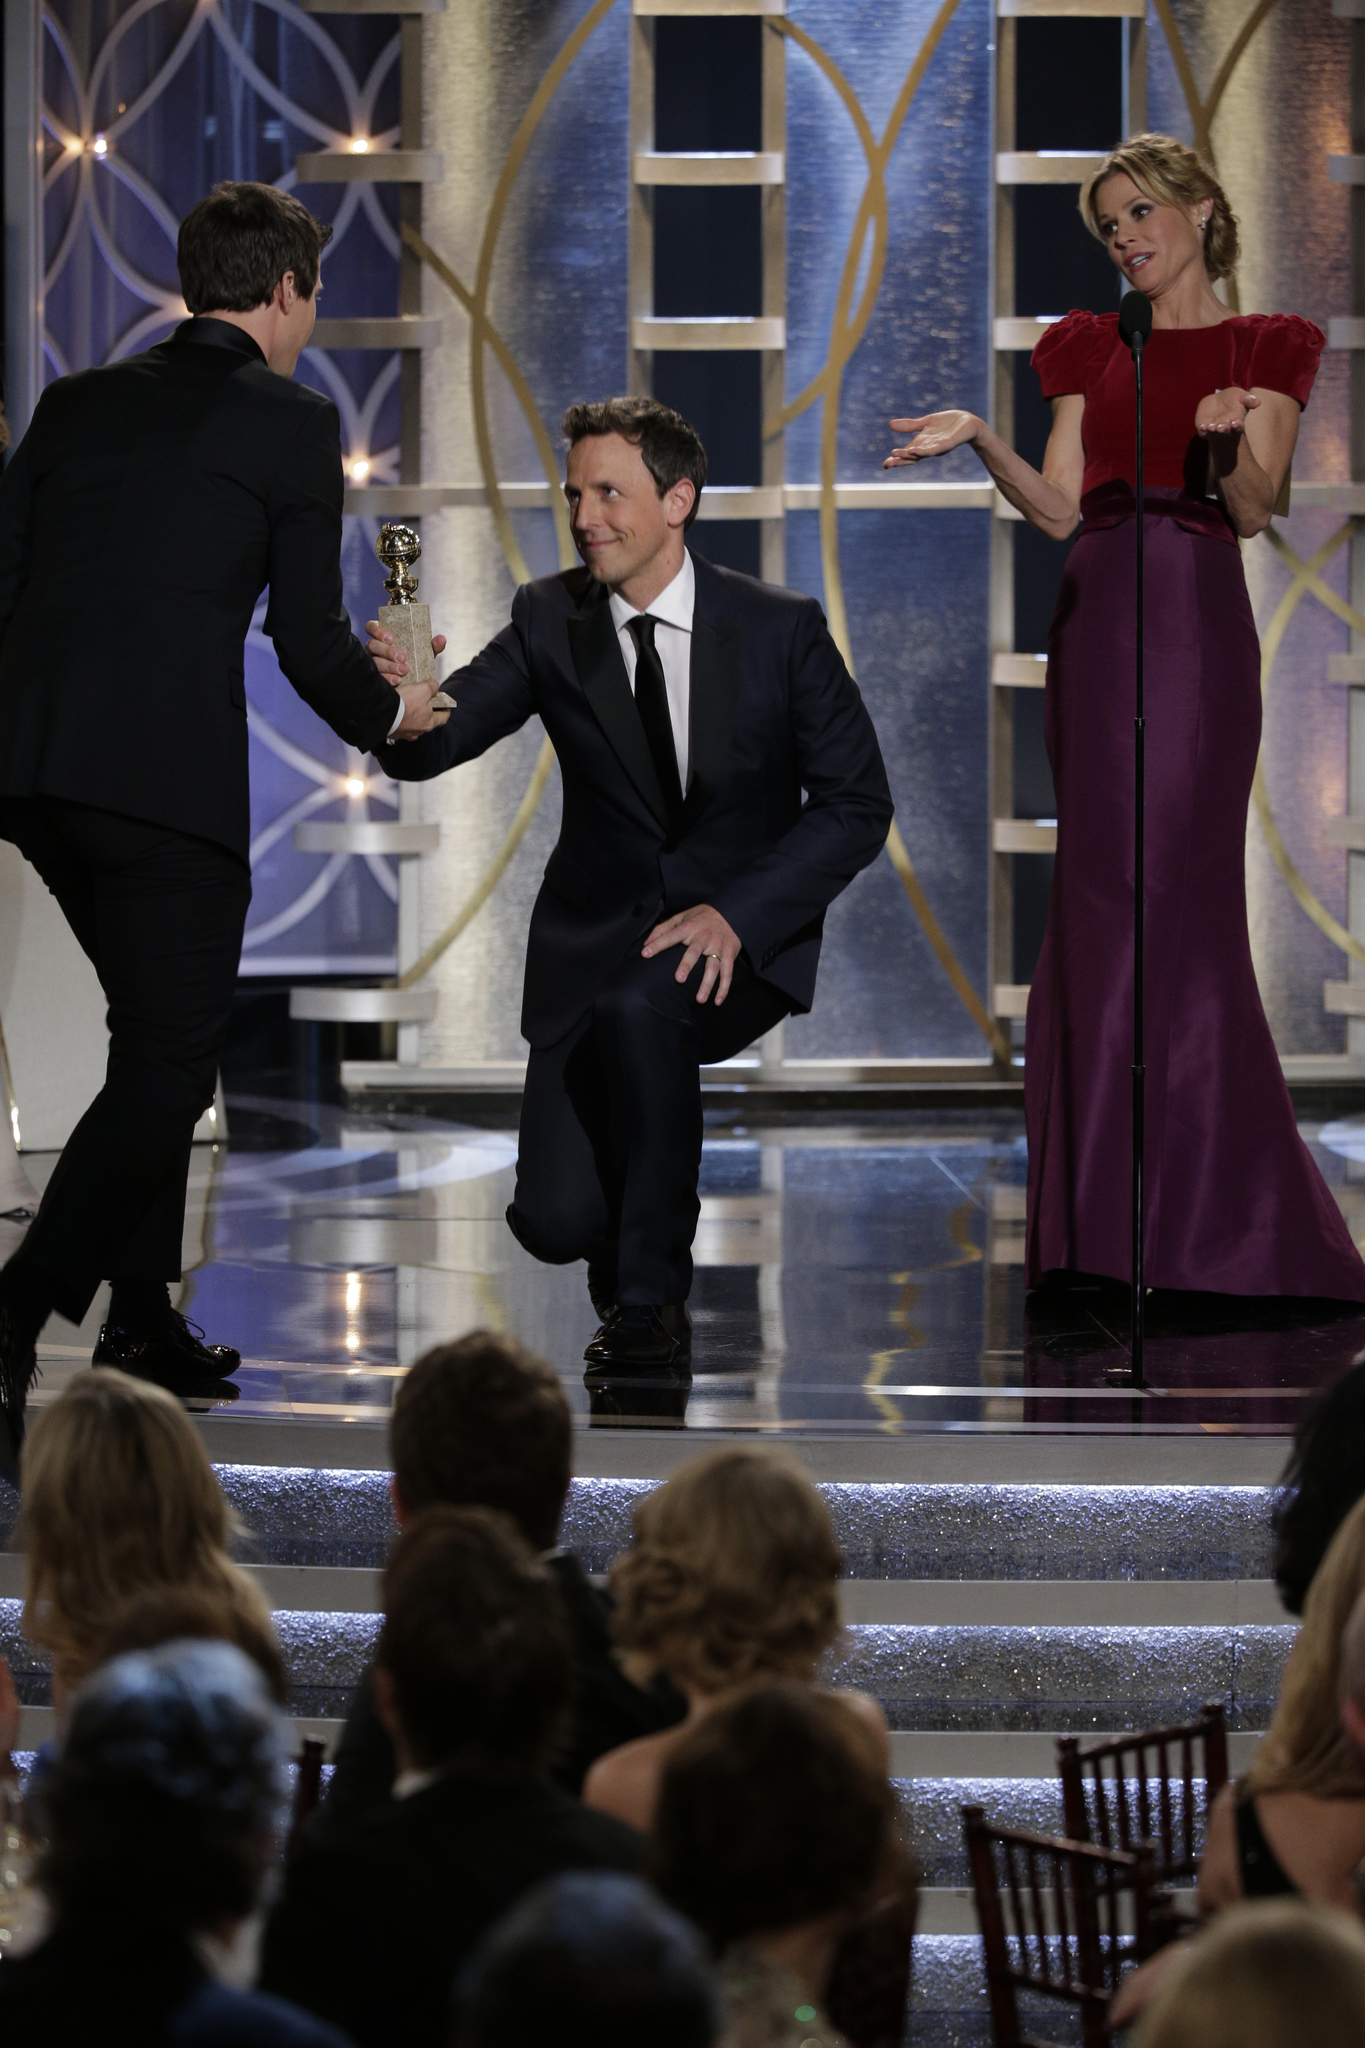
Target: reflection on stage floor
<point>853,1275</point>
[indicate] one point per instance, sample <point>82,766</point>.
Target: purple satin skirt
<point>1235,1203</point>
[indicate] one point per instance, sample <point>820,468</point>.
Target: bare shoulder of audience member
<point>119,1499</point>
<point>483,1422</point>
<point>1269,1974</point>
<point>1322,1482</point>
<point>591,1957</point>
<point>732,1576</point>
<point>777,1833</point>
<point>472,1675</point>
<point>199,1614</point>
<point>1295,1821</point>
<point>160,1817</point>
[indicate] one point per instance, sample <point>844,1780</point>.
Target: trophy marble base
<point>410,626</point>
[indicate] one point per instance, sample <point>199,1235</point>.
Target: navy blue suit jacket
<point>774,712</point>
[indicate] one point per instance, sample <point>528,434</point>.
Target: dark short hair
<point>773,1810</point>
<point>236,245</point>
<point>1322,1482</point>
<point>484,1423</point>
<point>589,1960</point>
<point>170,1775</point>
<point>476,1644</point>
<point>669,447</point>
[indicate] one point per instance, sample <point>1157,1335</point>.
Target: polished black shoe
<point>602,1291</point>
<point>18,1371</point>
<point>173,1353</point>
<point>648,1341</point>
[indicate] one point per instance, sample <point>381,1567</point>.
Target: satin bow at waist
<point>1110,504</point>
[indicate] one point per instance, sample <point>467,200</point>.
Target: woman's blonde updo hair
<point>731,1575</point>
<point>119,1499</point>
<point>1174,176</point>
<point>1305,1748</point>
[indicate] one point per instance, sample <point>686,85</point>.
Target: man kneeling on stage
<point>689,708</point>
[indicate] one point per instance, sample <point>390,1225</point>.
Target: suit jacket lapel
<point>605,684</point>
<point>717,670</point>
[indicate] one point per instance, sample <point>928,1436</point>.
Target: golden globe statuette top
<point>409,624</point>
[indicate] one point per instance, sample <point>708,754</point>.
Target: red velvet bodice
<point>1181,365</point>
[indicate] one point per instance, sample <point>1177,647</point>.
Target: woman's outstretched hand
<point>934,434</point>
<point>1224,412</point>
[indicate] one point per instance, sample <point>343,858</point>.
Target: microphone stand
<point>1137,1331</point>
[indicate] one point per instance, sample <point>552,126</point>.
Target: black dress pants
<point>611,1125</point>
<point>160,917</point>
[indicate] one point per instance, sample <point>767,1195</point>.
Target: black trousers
<point>160,917</point>
<point>611,1125</point>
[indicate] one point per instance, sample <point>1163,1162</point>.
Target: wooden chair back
<point>1058,1918</point>
<point>1120,1792</point>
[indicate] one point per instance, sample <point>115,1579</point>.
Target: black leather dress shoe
<point>643,1341</point>
<point>18,1371</point>
<point>175,1356</point>
<point>602,1291</point>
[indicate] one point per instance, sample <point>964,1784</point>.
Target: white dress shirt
<point>672,612</point>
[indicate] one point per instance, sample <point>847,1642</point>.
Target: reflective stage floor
<point>853,1276</point>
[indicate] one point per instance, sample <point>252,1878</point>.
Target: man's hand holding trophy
<point>401,638</point>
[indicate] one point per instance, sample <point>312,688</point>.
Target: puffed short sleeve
<point>1062,357</point>
<point>1283,356</point>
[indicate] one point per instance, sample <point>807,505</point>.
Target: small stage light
<point>99,147</point>
<point>355,786</point>
<point>352,1293</point>
<point>360,469</point>
<point>359,145</point>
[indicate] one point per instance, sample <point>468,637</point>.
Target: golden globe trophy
<point>410,624</point>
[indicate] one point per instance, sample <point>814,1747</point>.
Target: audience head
<point>1306,1748</point>
<point>162,1804</point>
<point>1353,1678</point>
<point>474,1665</point>
<point>775,1813</point>
<point>732,1574</point>
<point>483,1423</point>
<point>1322,1482</point>
<point>591,1960</point>
<point>195,1614</point>
<point>119,1499</point>
<point>1269,1974</point>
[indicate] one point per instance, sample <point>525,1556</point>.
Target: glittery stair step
<point>315,1516</point>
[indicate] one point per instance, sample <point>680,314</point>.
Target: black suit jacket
<point>126,1986</point>
<point>607,1709</point>
<point>774,712</point>
<point>375,1921</point>
<point>141,516</point>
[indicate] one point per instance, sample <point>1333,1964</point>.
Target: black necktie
<point>651,701</point>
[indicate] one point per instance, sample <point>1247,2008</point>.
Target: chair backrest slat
<point>1126,1809</point>
<point>1075,1951</point>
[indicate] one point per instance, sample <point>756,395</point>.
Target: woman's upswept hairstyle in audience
<point>732,1574</point>
<point>1306,1749</point>
<point>775,1810</point>
<point>119,1499</point>
<point>1275,1973</point>
<point>1322,1482</point>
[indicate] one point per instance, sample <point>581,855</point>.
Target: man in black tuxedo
<point>472,1673</point>
<point>690,708</point>
<point>483,1422</point>
<point>152,500</point>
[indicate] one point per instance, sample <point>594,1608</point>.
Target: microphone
<point>1135,319</point>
